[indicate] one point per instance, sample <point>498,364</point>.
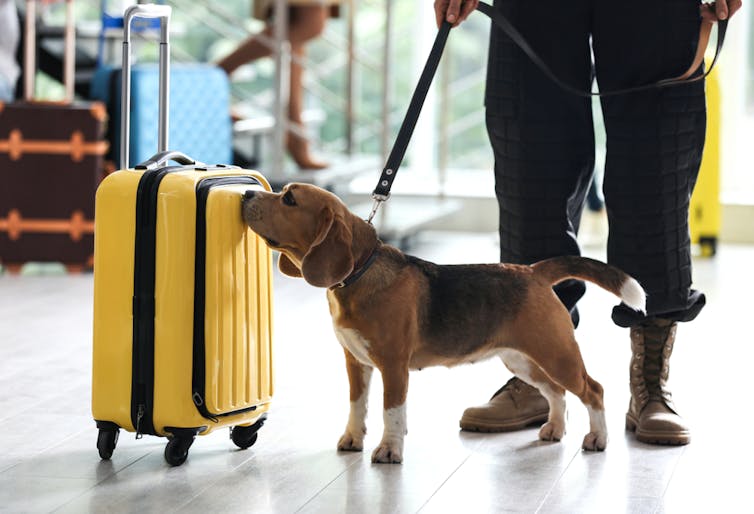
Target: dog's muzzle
<point>251,212</point>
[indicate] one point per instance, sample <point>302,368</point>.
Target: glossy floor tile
<point>49,462</point>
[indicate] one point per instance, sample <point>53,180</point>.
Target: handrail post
<point>387,79</point>
<point>351,88</point>
<point>282,85</point>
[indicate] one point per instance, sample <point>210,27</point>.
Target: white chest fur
<point>349,338</point>
<point>352,341</point>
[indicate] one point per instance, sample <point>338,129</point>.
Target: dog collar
<point>353,277</point>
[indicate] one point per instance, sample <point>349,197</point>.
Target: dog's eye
<point>288,199</point>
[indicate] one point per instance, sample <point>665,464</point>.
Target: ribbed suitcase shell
<point>237,318</point>
<point>238,309</point>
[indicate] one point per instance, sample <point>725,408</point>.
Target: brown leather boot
<point>514,406</point>
<point>651,413</point>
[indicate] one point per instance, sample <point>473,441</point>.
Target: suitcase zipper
<point>199,373</point>
<point>139,416</point>
<point>142,390</point>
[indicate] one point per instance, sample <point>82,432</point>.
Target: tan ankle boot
<point>651,413</point>
<point>515,406</point>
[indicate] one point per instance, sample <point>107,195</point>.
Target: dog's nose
<point>248,195</point>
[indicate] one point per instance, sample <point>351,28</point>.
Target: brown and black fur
<point>405,313</point>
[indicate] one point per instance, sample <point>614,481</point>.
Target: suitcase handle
<point>145,11</point>
<point>171,155</point>
<point>30,51</point>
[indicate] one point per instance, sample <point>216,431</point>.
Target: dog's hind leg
<point>528,371</point>
<point>561,359</point>
<point>573,376</point>
<point>596,439</point>
<point>359,377</point>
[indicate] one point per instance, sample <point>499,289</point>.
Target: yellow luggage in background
<point>704,210</point>
<point>182,297</point>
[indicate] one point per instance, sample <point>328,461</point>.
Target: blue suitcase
<point>200,123</point>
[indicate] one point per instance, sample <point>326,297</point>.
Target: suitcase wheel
<point>245,437</point>
<point>708,246</point>
<point>106,441</point>
<point>176,451</point>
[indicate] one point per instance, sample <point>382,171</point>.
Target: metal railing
<point>368,124</point>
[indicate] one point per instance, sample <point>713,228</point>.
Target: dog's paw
<point>594,442</point>
<point>551,431</point>
<point>388,453</point>
<point>350,443</point>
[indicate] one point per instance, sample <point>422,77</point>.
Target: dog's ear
<point>286,266</point>
<point>329,259</point>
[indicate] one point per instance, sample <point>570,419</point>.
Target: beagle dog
<point>396,313</point>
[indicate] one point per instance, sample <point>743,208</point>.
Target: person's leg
<point>541,136</point>
<point>543,144</point>
<point>654,147</point>
<point>306,23</point>
<point>250,50</point>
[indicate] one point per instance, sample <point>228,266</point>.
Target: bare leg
<point>296,142</point>
<point>307,22</point>
<point>248,51</point>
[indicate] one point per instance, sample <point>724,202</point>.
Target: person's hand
<point>456,11</point>
<point>719,10</point>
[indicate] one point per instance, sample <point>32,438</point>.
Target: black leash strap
<point>382,192</point>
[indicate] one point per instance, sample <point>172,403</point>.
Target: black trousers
<point>543,140</point>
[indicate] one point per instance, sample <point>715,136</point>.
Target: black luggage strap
<point>382,192</point>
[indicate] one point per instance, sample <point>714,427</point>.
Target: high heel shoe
<point>298,149</point>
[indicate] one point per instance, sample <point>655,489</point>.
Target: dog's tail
<point>608,277</point>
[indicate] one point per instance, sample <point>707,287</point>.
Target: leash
<point>704,34</point>
<point>382,192</point>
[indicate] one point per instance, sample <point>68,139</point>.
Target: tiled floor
<point>48,460</point>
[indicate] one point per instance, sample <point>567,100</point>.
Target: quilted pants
<point>543,140</point>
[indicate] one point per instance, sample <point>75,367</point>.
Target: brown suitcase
<point>51,162</point>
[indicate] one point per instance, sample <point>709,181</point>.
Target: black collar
<point>357,273</point>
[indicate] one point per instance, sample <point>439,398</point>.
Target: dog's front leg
<point>395,382</point>
<point>359,377</point>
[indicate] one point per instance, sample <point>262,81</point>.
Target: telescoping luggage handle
<point>170,155</point>
<point>30,51</point>
<point>146,11</point>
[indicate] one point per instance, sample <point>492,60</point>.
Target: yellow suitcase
<point>182,301</point>
<point>704,209</point>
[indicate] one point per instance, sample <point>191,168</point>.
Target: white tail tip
<point>633,295</point>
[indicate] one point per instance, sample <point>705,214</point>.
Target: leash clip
<point>378,199</point>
